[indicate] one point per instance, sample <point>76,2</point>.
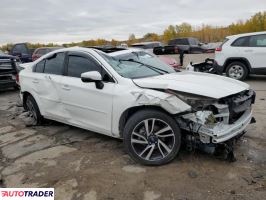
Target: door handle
<point>35,81</point>
<point>249,50</point>
<point>66,87</point>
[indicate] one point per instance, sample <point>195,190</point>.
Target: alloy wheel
<point>32,111</point>
<point>153,139</point>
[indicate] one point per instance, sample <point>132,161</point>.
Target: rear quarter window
<point>40,66</point>
<point>241,42</point>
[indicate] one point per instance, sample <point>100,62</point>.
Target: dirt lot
<point>80,164</point>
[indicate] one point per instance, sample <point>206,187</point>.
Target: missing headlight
<point>197,102</point>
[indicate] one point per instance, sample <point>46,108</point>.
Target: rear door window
<point>258,41</point>
<point>55,64</point>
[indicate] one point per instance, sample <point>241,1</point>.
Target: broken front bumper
<point>223,132</point>
<point>219,132</point>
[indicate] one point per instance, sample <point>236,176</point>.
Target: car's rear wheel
<point>152,137</point>
<point>237,70</point>
<point>33,111</point>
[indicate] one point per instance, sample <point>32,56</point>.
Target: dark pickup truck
<point>22,51</point>
<point>9,67</point>
<point>178,45</point>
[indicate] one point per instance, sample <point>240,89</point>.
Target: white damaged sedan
<point>140,100</point>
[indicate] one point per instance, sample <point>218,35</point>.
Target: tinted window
<point>141,46</point>
<point>55,64</point>
<point>178,42</point>
<point>40,66</point>
<point>241,42</point>
<point>78,65</point>
<point>20,48</point>
<point>194,41</point>
<point>258,41</point>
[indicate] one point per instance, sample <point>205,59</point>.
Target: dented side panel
<point>127,97</point>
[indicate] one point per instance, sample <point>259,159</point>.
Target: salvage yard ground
<point>80,164</point>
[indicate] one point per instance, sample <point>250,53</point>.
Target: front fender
<point>145,97</point>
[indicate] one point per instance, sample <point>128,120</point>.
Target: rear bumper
<point>218,68</point>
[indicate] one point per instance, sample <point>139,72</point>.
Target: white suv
<point>137,98</point>
<point>241,55</point>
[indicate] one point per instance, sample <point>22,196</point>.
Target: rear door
<point>87,106</point>
<point>48,75</point>
<point>257,51</point>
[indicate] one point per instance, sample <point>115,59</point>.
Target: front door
<point>256,52</point>
<point>88,107</point>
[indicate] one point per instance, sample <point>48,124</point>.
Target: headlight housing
<point>197,102</point>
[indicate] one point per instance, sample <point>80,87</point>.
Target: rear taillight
<point>219,49</point>
<point>17,78</point>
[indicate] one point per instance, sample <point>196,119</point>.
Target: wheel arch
<point>25,95</point>
<point>237,59</point>
<point>132,110</point>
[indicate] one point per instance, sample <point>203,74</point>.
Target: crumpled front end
<point>221,120</point>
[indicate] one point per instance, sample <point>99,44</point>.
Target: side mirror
<point>93,76</point>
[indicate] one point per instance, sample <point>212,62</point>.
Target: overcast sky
<point>76,20</point>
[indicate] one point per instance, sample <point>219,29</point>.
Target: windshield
<point>146,64</point>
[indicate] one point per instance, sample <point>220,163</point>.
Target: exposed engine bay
<point>214,122</point>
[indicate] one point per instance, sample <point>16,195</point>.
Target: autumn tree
<point>184,28</point>
<point>151,37</point>
<point>169,33</point>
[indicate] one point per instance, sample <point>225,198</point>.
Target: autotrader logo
<point>26,193</point>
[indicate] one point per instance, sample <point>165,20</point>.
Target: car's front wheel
<point>237,70</point>
<point>152,137</point>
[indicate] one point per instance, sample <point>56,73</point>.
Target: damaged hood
<point>203,84</point>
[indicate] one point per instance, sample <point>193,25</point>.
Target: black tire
<point>136,121</point>
<point>242,75</point>
<point>33,109</point>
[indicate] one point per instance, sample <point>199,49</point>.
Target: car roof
<point>145,43</point>
<point>129,50</point>
<point>49,47</point>
<point>246,34</point>
<point>76,48</point>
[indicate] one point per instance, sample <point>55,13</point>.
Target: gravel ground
<point>80,164</point>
